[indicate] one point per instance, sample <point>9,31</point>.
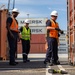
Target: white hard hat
<point>27,21</point>
<point>54,13</point>
<point>15,10</point>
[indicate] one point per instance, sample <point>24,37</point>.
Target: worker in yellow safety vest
<point>25,39</point>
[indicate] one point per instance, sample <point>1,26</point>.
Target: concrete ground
<point>36,66</point>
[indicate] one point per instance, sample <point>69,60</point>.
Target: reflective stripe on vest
<point>14,25</point>
<point>54,33</point>
<point>25,34</point>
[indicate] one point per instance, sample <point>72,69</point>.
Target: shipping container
<point>71,30</point>
<point>38,39</point>
<point>38,31</point>
<point>3,33</point>
<point>63,47</point>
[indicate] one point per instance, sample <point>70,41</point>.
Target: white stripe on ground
<point>48,67</point>
<point>10,68</point>
<point>61,68</point>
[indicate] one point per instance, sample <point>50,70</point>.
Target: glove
<point>58,35</point>
<point>57,29</point>
<point>61,32</point>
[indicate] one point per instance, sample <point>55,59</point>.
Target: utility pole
<point>8,5</point>
<point>13,4</point>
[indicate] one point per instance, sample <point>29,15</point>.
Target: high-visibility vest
<point>53,33</point>
<point>14,25</point>
<point>25,33</point>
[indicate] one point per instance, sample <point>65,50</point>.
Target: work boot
<point>24,61</point>
<point>57,63</point>
<point>45,62</point>
<point>51,63</point>
<point>28,60</point>
<point>12,64</point>
<point>16,62</point>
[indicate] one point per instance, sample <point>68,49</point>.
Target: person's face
<point>54,17</point>
<point>15,14</point>
<point>27,25</point>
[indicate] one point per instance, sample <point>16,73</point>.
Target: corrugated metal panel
<point>19,47</point>
<point>0,33</point>
<point>38,38</point>
<point>3,42</point>
<point>71,31</point>
<point>70,4</point>
<point>37,44</point>
<point>62,50</point>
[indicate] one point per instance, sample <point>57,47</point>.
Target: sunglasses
<point>54,16</point>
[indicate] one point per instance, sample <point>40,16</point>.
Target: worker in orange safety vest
<point>52,40</point>
<point>12,35</point>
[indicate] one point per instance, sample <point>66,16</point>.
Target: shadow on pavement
<point>4,65</point>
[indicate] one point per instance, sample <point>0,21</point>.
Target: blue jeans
<point>52,50</point>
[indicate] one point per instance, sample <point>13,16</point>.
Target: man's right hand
<point>61,32</point>
<point>57,29</point>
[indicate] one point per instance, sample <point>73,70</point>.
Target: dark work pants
<point>52,51</point>
<point>25,48</point>
<point>12,45</point>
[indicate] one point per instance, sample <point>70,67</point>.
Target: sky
<point>40,9</point>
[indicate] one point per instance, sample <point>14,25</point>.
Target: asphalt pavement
<point>35,67</point>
